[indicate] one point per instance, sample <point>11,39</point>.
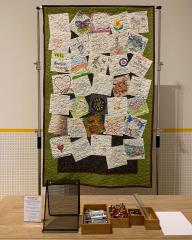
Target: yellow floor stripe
<point>34,130</point>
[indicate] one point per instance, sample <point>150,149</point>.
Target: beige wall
<point>18,92</point>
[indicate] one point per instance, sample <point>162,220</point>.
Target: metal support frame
<point>159,65</point>
<point>38,68</point>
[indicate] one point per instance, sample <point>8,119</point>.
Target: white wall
<point>18,89</point>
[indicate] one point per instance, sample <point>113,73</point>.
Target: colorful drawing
<point>100,22</point>
<point>116,157</point>
<point>118,65</point>
<point>60,146</point>
<point>137,106</point>
<point>117,105</point>
<point>79,107</point>
<point>134,148</point>
<point>98,104</point>
<point>114,125</point>
<point>121,85</point>
<point>62,84</point>
<point>80,23</point>
<point>134,126</point>
<point>94,124</point>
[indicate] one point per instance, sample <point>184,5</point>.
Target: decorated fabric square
<point>138,22</point>
<point>139,65</point>
<point>76,128</point>
<point>100,144</point>
<point>80,45</point>
<point>114,125</point>
<point>98,104</point>
<point>117,105</point>
<point>134,126</point>
<point>58,125</point>
<point>121,85</point>
<point>79,107</point>
<point>134,148</point>
<point>60,146</point>
<point>62,84</point>
<point>118,65</point>
<point>100,22</point>
<point>98,63</point>
<point>119,22</point>
<point>139,87</point>
<point>59,23</point>
<point>60,43</point>
<point>119,43</point>
<point>61,62</point>
<point>78,64</point>
<point>81,86</point>
<point>136,43</point>
<point>137,106</point>
<point>102,84</point>
<point>100,42</point>
<point>60,104</point>
<point>116,157</point>
<point>94,124</point>
<point>80,23</point>
<point>81,149</point>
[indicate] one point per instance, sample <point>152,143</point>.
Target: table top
<point>12,225</point>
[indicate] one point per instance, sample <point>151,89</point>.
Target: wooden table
<point>13,227</point>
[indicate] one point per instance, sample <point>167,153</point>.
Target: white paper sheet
<point>60,146</point>
<point>174,223</point>
<point>138,21</point>
<point>100,22</point>
<point>59,23</point>
<point>80,45</point>
<point>118,65</point>
<point>100,42</point>
<point>76,128</point>
<point>60,43</point>
<point>32,208</point>
<point>98,63</point>
<point>62,84</point>
<point>81,86</point>
<point>61,62</point>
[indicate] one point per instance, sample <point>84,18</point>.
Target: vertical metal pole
<point>159,64</point>
<point>38,68</point>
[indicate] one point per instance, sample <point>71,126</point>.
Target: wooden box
<point>96,228</point>
<point>152,222</point>
<point>136,219</point>
<point>119,222</point>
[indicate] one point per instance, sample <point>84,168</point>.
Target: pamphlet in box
<point>96,228</point>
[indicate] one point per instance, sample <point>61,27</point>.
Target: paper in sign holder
<point>32,208</point>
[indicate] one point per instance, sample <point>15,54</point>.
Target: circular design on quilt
<point>123,62</point>
<point>98,104</point>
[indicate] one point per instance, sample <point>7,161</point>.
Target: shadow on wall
<point>171,116</point>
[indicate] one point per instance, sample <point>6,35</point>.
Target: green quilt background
<point>143,178</point>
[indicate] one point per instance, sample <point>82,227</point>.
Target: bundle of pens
<point>118,211</point>
<point>91,216</point>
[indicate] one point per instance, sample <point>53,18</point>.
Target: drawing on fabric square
<point>59,23</point>
<point>60,104</point>
<point>98,104</point>
<point>94,124</point>
<point>116,157</point>
<point>58,125</point>
<point>80,45</point>
<point>78,64</point>
<point>81,149</point>
<point>102,84</point>
<point>76,128</point>
<point>137,106</point>
<point>62,84</point>
<point>61,63</point>
<point>138,21</point>
<point>100,144</point>
<point>100,42</point>
<point>81,86</point>
<point>134,126</point>
<point>60,146</point>
<point>139,65</point>
<point>136,43</point>
<point>121,85</point>
<point>98,63</point>
<point>134,148</point>
<point>117,105</point>
<point>119,22</point>
<point>118,65</point>
<point>60,43</point>
<point>139,87</point>
<point>100,22</point>
<point>80,23</point>
<point>119,43</point>
<point>114,125</point>
<point>79,107</point>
